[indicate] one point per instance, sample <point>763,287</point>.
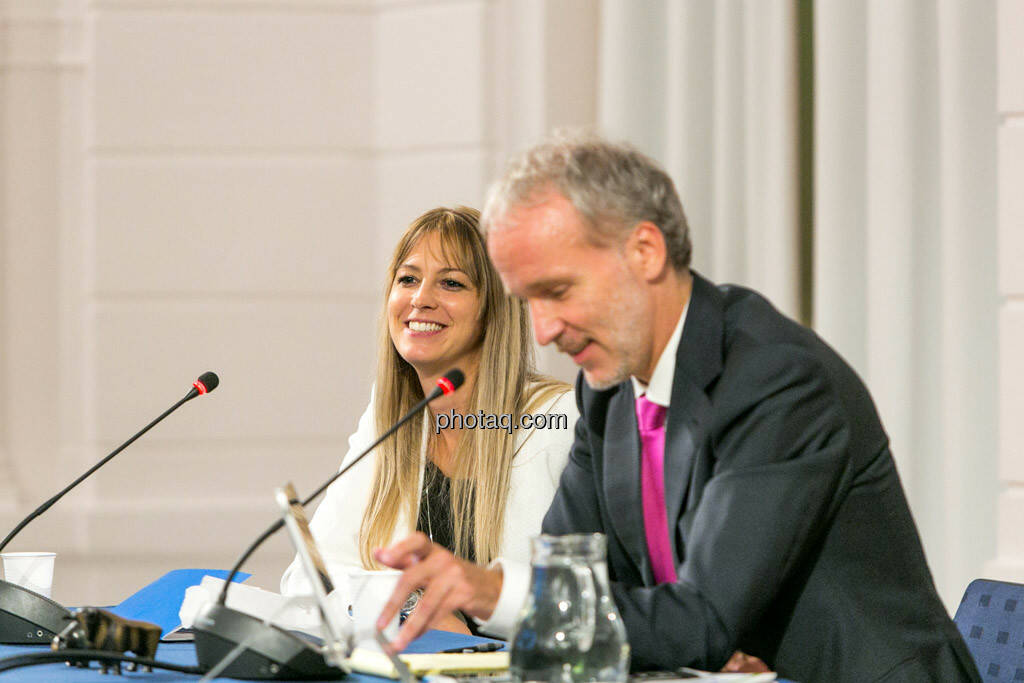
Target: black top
<point>435,518</point>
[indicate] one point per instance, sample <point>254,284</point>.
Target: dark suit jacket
<point>791,534</point>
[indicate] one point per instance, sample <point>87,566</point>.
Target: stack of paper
<point>377,663</point>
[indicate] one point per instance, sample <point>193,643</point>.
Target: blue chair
<point>991,619</point>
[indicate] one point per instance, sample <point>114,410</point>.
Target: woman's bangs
<point>457,252</point>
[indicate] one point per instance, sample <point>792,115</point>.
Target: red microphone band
<point>446,385</point>
<point>201,388</point>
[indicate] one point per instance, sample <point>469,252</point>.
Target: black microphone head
<point>206,383</point>
<point>451,381</point>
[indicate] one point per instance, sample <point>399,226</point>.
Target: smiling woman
<point>481,493</point>
<point>432,311</point>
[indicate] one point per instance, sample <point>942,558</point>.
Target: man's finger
<point>415,545</point>
<point>431,605</point>
<point>410,580</point>
<point>417,575</point>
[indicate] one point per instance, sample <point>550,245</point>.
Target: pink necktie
<point>651,420</point>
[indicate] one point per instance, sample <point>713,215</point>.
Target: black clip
<point>92,628</point>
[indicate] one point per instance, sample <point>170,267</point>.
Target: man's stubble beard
<point>629,321</point>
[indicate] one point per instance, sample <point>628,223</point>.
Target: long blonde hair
<point>483,457</point>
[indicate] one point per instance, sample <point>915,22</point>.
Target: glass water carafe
<point>569,630</point>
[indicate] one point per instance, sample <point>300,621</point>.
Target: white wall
<point>1010,539</point>
<point>193,185</point>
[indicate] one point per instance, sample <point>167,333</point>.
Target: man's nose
<point>546,325</point>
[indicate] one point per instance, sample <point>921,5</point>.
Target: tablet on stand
<point>336,626</point>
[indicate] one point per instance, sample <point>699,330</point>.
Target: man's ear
<point>646,251</point>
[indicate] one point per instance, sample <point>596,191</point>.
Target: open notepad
<point>486,664</point>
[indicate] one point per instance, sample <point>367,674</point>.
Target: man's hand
<point>450,584</point>
<point>450,622</point>
<point>741,662</point>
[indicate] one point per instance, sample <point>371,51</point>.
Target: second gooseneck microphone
<point>446,384</point>
<point>238,645</point>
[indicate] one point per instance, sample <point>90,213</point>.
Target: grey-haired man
<point>734,460</point>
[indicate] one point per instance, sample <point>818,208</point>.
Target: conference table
<point>184,654</point>
<point>159,603</point>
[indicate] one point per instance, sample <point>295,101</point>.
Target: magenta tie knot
<point>650,416</point>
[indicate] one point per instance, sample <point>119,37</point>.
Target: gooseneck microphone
<point>27,616</point>
<point>268,652</point>
<point>451,381</point>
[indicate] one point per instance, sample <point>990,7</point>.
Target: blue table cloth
<point>184,654</point>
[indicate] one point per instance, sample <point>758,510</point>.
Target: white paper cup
<point>33,571</point>
<point>369,591</point>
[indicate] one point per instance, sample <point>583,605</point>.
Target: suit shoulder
<point>754,372</point>
<point>769,357</point>
<point>755,332</point>
<point>752,318</point>
<point>763,350</point>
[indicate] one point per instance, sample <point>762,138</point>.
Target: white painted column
<point>41,80</point>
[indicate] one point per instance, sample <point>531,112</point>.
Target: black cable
<point>51,657</point>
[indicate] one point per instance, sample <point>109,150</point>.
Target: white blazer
<point>536,469</point>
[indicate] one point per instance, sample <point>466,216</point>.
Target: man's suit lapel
<point>622,478</point>
<point>698,364</point>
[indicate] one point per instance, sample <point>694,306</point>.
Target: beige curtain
<point>709,89</point>
<point>905,249</point>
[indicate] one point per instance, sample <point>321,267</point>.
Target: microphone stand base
<point>28,618</point>
<point>270,653</point>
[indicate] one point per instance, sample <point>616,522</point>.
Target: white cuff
<point>515,584</point>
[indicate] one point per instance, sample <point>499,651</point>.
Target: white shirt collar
<point>660,389</point>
